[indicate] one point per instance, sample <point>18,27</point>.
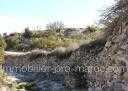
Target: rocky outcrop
<point>113,60</point>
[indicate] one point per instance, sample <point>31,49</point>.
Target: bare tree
<point>27,33</point>
<point>55,26</point>
<point>117,14</point>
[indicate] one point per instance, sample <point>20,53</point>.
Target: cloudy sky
<point>15,15</point>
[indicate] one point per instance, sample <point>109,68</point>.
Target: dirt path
<point>15,53</point>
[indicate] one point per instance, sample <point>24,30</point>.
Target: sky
<point>15,15</point>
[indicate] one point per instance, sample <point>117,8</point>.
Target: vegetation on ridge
<point>48,39</point>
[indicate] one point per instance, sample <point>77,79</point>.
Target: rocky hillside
<point>115,55</point>
<point>101,65</point>
<point>56,68</point>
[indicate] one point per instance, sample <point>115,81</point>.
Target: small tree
<point>55,26</point>
<point>27,33</point>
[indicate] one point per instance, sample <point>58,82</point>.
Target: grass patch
<point>25,85</point>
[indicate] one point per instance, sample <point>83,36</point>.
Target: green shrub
<point>13,41</point>
<point>54,41</point>
<point>93,28</point>
<point>45,39</point>
<point>24,85</point>
<point>2,46</point>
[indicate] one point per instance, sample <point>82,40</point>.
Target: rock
<point>21,90</point>
<point>4,88</point>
